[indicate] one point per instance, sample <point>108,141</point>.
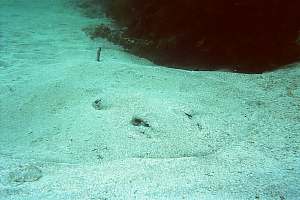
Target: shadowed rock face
<point>241,35</point>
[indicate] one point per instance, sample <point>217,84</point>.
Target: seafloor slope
<point>207,135</point>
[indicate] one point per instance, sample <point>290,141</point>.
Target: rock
<point>206,34</point>
<point>28,173</point>
<point>298,39</point>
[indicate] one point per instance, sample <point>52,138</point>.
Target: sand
<point>211,135</point>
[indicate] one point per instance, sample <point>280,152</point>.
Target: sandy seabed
<point>209,135</point>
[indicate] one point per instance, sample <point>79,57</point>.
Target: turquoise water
<point>157,133</point>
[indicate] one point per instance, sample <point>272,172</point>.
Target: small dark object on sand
<point>97,104</point>
<point>139,122</point>
<point>98,54</point>
<point>188,115</point>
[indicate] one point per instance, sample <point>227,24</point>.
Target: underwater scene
<point>149,100</point>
